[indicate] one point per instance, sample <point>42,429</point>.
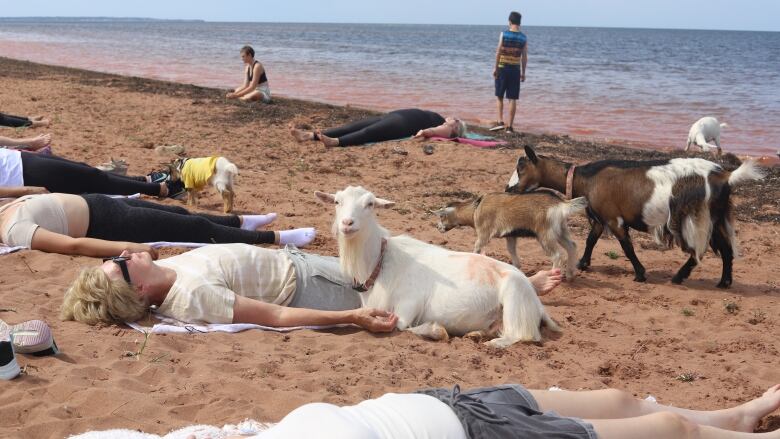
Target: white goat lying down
<point>703,131</point>
<point>435,292</point>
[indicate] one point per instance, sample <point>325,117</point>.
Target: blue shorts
<point>508,82</point>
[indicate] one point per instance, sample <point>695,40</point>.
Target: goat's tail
<point>724,125</point>
<point>748,171</point>
<point>565,209</point>
<point>523,312</point>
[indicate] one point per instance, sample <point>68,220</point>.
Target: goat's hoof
<point>724,284</point>
<point>640,278</point>
<point>582,265</point>
<point>677,280</point>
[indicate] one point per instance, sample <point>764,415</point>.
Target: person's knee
<point>676,425</point>
<point>620,398</point>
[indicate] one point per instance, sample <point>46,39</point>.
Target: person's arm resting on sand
<point>16,192</point>
<point>248,87</point>
<point>247,310</point>
<point>48,241</point>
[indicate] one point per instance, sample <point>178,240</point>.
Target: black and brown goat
<point>682,201</point>
<point>541,215</point>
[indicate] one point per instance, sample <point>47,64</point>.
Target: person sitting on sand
<point>101,226</point>
<point>232,283</point>
<point>9,120</point>
<point>256,81</point>
<point>512,411</point>
<point>31,143</point>
<point>394,125</point>
<point>25,173</point>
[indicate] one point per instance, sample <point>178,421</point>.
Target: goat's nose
<point>347,221</point>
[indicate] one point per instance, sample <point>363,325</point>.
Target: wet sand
<point>616,333</point>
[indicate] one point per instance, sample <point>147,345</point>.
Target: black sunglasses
<point>122,262</point>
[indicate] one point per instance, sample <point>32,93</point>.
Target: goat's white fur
<point>703,131</point>
<point>427,286</point>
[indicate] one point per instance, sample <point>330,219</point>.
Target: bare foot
<point>301,135</point>
<point>328,141</point>
<point>546,280</point>
<point>39,121</point>
<point>750,413</point>
<point>39,141</point>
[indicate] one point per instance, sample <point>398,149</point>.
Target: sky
<point>676,14</point>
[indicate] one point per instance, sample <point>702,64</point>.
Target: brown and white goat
<point>541,215</point>
<point>682,201</point>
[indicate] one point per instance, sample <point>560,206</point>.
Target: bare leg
<point>253,96</point>
<point>512,110</point>
<point>546,280</point>
<point>500,107</point>
<point>616,404</point>
<point>668,426</point>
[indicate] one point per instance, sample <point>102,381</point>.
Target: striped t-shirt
<point>511,50</point>
<point>208,279</point>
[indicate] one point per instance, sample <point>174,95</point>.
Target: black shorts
<point>508,411</point>
<point>508,82</point>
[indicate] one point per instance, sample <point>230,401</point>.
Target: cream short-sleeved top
<point>208,279</point>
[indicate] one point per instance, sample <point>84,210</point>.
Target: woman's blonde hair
<point>95,298</point>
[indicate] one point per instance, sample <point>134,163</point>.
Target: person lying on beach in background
<point>9,120</point>
<point>31,143</point>
<point>25,173</point>
<point>394,125</point>
<point>232,283</point>
<point>512,411</point>
<point>101,226</point>
<point>256,81</point>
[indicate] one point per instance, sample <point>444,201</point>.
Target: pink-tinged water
<point>640,87</point>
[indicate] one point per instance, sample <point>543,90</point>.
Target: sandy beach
<point>690,345</point>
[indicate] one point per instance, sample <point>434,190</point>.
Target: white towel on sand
<point>248,427</point>
<point>173,326</point>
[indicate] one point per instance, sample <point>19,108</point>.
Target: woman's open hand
<point>375,320</point>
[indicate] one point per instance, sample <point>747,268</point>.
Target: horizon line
<point>200,20</point>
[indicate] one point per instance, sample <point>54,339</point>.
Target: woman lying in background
<point>101,226</point>
<point>25,173</point>
<point>391,126</point>
<point>8,120</point>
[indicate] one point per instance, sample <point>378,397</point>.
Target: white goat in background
<point>433,291</point>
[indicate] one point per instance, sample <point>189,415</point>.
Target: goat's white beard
<point>359,254</point>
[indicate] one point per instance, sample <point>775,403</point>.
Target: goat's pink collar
<point>570,182</point>
<point>374,274</point>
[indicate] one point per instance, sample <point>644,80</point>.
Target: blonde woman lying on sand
<point>512,411</point>
<point>231,283</point>
<point>101,226</point>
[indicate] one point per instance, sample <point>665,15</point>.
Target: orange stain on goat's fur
<point>482,269</point>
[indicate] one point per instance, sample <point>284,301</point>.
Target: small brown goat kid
<point>540,214</point>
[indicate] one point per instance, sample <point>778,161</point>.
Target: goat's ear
<point>326,197</point>
<point>385,204</point>
<point>531,154</point>
<point>439,212</point>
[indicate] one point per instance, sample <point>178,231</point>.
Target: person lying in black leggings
<point>24,173</point>
<point>101,226</point>
<point>393,125</point>
<point>9,120</point>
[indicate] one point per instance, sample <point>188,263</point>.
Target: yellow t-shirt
<point>208,279</point>
<point>196,172</point>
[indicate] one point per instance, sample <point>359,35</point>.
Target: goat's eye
<point>338,202</point>
<point>370,204</point>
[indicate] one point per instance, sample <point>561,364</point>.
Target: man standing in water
<point>509,71</point>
